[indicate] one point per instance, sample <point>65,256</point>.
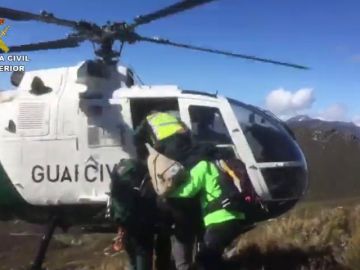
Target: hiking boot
<point>118,244</point>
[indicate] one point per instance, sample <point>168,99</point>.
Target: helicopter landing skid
<point>44,244</point>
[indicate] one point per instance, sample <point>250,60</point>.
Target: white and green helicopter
<point>63,129</point>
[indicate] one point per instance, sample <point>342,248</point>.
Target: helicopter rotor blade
<point>46,17</point>
<point>70,42</point>
<point>170,10</point>
<point>196,48</point>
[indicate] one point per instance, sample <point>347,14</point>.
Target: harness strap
<point>155,172</point>
<point>226,200</point>
<point>217,204</point>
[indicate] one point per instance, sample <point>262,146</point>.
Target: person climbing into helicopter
<point>171,137</point>
<point>222,213</point>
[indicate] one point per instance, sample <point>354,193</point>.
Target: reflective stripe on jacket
<point>204,179</point>
<point>164,125</point>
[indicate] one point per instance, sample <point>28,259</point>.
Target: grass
<point>327,237</point>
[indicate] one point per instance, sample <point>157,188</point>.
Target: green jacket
<point>203,179</point>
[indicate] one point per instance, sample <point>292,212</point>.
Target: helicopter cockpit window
<point>208,125</point>
<point>103,128</point>
<point>267,137</point>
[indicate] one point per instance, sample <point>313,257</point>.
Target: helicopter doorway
<point>141,107</point>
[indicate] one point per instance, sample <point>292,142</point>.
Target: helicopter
<point>64,129</point>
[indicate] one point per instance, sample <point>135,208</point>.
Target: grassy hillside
<point>313,235</point>
<point>333,156</point>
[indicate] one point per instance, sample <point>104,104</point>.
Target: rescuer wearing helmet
<point>171,137</point>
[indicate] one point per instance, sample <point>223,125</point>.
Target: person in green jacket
<point>221,225</point>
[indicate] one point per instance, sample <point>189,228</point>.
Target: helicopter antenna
<point>138,78</point>
<point>121,48</point>
<point>105,36</point>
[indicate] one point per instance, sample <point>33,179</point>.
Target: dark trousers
<point>141,231</point>
<point>177,237</point>
<point>216,238</point>
<point>140,250</point>
<point>148,247</point>
<point>163,251</point>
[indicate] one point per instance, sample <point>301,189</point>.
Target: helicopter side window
<point>208,125</point>
<point>103,128</point>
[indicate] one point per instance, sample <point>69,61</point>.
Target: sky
<point>322,34</point>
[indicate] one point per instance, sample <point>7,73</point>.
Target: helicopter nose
<point>10,199</point>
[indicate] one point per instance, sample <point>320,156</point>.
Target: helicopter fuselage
<point>60,139</point>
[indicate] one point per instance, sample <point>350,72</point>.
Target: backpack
<point>237,191</point>
<point>165,173</point>
<point>123,190</point>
